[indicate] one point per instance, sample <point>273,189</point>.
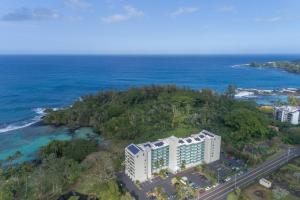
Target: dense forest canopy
<point>152,112</point>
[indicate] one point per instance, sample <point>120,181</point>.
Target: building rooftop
<point>189,140</point>
<point>207,133</point>
<point>133,149</point>
<point>181,141</point>
<point>193,139</point>
<point>288,108</point>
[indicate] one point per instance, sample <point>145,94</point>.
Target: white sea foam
<point>18,125</point>
<point>240,65</point>
<point>245,94</point>
<point>12,127</point>
<point>39,111</point>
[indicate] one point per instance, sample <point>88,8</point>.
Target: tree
<point>236,195</point>
<point>160,193</point>
<point>183,165</point>
<point>230,92</point>
<point>12,169</point>
<point>7,190</point>
<point>76,149</point>
<point>109,190</point>
<point>246,124</point>
<point>74,198</point>
<point>180,192</point>
<point>292,100</point>
<point>126,196</point>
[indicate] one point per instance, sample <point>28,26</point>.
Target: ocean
<point>31,83</point>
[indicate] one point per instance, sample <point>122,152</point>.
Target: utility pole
<point>219,175</point>
<point>235,181</point>
<point>288,154</point>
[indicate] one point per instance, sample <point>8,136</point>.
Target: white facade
<point>136,164</point>
<point>264,182</point>
<point>212,147</point>
<point>288,114</point>
<point>171,153</point>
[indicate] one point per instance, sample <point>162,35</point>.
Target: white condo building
<point>288,114</point>
<point>172,153</point>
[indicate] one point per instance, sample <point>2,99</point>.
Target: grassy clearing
<point>257,192</point>
<point>288,176</point>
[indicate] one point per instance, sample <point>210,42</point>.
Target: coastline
<point>261,96</point>
<point>30,139</point>
<point>288,66</point>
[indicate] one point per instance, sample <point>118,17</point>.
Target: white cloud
<point>129,13</point>
<point>184,10</point>
<point>79,4</point>
<point>132,11</point>
<point>269,19</point>
<point>27,14</point>
<point>114,18</point>
<point>227,8</point>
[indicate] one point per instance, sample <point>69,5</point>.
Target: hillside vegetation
<point>135,115</point>
<point>148,113</point>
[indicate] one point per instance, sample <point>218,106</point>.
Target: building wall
<point>294,118</point>
<point>285,115</point>
<point>212,149</point>
<point>136,166</point>
<point>279,115</point>
<point>159,159</point>
<point>129,165</point>
<point>173,145</point>
<point>190,155</point>
<point>141,167</point>
<point>148,164</point>
<point>172,156</point>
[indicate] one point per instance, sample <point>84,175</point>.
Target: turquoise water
<point>30,139</point>
<point>29,84</point>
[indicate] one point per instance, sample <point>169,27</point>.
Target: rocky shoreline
<point>242,92</point>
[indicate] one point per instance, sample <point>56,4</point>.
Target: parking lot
<point>226,166</point>
<point>193,177</point>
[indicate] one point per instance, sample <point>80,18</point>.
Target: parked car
<point>222,181</point>
<point>193,185</point>
<point>228,179</point>
<point>207,188</point>
<point>215,185</point>
<point>171,197</point>
<point>240,173</point>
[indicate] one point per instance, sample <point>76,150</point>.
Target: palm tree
<point>159,193</point>
<point>183,165</point>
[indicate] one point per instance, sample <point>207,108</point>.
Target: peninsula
<point>289,66</point>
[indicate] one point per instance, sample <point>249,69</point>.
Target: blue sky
<point>149,26</point>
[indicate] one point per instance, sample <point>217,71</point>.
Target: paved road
<point>221,192</point>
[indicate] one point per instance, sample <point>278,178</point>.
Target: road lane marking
<point>253,178</point>
<point>248,176</point>
<point>251,174</point>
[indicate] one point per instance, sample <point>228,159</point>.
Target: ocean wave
<point>245,94</point>
<point>40,111</point>
<point>23,124</point>
<point>16,126</point>
<point>240,65</point>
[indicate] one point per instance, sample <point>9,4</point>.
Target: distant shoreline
<point>288,66</point>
